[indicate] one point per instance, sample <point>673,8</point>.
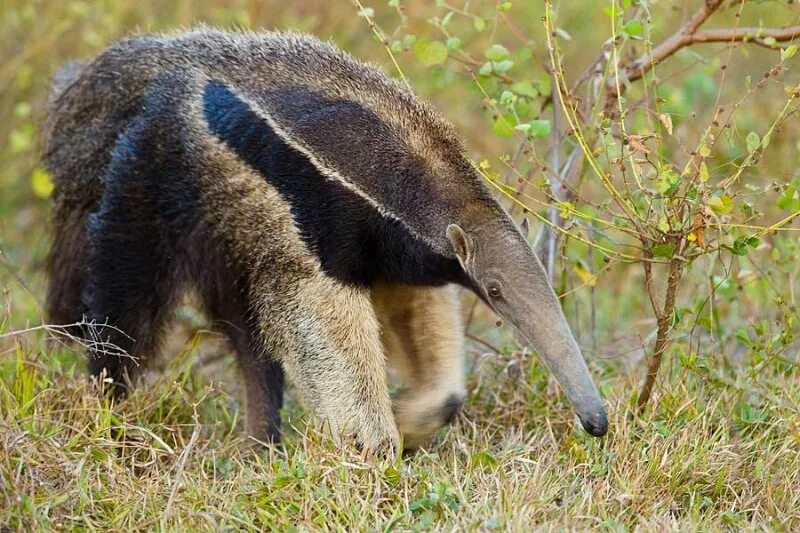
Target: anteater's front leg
<point>336,360</point>
<point>423,337</point>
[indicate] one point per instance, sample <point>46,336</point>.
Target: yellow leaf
<point>586,277</point>
<point>703,172</point>
<point>691,237</point>
<point>41,183</point>
<point>721,205</point>
<point>565,209</point>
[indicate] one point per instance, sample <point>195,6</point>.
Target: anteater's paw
<point>368,437</point>
<point>377,444</point>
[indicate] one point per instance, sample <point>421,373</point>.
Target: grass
<point>172,456</point>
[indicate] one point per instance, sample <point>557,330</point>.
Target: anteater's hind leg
<point>423,338</point>
<point>263,377</point>
<point>227,301</point>
<point>132,284</point>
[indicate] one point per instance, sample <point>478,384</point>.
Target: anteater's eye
<point>494,291</point>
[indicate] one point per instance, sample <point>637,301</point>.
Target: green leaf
<point>540,128</point>
<point>453,43</point>
<point>504,6</point>
<point>486,69</point>
<point>496,52</point>
<point>479,24</point>
<point>482,459</point>
<point>507,98</point>
<point>788,52</point>
<point>524,88</point>
<point>753,142</point>
<point>367,12</point>
<point>743,337</point>
<point>21,140</point>
<point>668,181</point>
<point>502,66</point>
<point>22,110</point>
<point>544,84</point>
<point>721,205</point>
<point>633,27</point>
<point>664,250</point>
<point>535,128</point>
<point>563,34</point>
<point>392,475</point>
<point>504,126</point>
<point>446,20</point>
<point>789,199</point>
<point>430,53</point>
<point>740,246</point>
<point>425,521</point>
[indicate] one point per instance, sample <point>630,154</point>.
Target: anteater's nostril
<point>595,425</point>
<point>451,407</point>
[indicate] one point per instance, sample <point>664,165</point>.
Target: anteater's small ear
<point>525,227</point>
<point>463,245</point>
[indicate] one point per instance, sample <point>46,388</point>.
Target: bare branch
<point>690,33</point>
<point>675,42</point>
<point>760,36</point>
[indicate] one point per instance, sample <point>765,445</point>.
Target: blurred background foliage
<point>487,66</point>
<point>691,170</point>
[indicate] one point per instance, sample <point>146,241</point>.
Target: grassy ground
<point>720,447</point>
<point>172,457</point>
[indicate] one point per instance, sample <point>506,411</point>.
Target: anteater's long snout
<point>553,340</point>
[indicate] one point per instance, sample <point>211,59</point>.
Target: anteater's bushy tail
<point>64,77</point>
<point>66,262</point>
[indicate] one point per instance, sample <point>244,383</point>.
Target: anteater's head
<point>507,275</point>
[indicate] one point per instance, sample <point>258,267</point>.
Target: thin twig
<point>178,480</point>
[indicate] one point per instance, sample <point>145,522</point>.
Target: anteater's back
<point>92,106</point>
